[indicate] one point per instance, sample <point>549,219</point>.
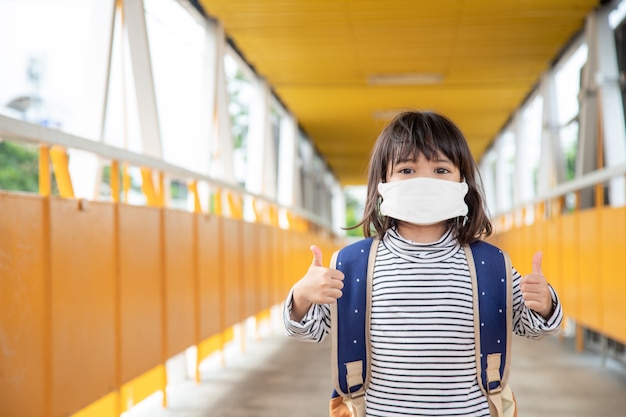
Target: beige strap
<point>494,397</point>
<point>334,336</point>
<point>356,406</point>
<point>493,367</point>
<point>493,375</point>
<point>496,400</point>
<point>354,374</point>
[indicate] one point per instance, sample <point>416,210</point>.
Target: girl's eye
<point>442,170</point>
<point>405,171</point>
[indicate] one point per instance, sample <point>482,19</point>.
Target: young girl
<point>424,203</point>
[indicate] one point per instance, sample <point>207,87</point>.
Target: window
<point>53,70</point>
<point>240,94</point>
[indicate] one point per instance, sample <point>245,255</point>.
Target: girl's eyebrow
<point>405,160</point>
<point>441,158</point>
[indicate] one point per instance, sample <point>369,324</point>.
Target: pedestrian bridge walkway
<point>281,377</point>
<point>171,162</point>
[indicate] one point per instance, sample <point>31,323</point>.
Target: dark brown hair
<point>409,134</point>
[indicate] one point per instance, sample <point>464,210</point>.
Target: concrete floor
<point>279,377</point>
<point>550,379</point>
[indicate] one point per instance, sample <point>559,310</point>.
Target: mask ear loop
<point>461,223</point>
<point>466,217</point>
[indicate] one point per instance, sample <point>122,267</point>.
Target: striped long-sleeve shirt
<point>422,330</point>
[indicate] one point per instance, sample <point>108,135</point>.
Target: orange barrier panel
<point>141,290</point>
<point>553,252</point>
<point>297,252</point>
<point>280,265</point>
<point>232,244</point>
<point>251,253</point>
<point>262,253</point>
<point>612,270</point>
<point>83,295</point>
<point>210,275</point>
<point>569,265</point>
<point>589,278</point>
<point>24,293</point>
<point>269,251</point>
<point>96,296</point>
<point>179,281</point>
<point>585,261</point>
<point>519,257</point>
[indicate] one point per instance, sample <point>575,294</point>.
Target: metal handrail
<point>588,180</point>
<point>21,131</point>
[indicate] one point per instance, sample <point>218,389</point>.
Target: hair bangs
<point>418,133</point>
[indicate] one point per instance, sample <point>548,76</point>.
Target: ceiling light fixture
<point>410,78</point>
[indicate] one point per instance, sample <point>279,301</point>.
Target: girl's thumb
<point>317,255</point>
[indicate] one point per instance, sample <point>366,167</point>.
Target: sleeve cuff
<point>307,320</point>
<point>554,321</point>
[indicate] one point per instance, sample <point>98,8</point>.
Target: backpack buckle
<point>356,394</point>
<point>493,373</point>
<point>354,378</point>
<point>496,390</point>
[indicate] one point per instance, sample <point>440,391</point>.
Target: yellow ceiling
<point>318,55</point>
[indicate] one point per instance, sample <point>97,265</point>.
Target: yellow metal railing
<point>96,296</point>
<point>584,255</point>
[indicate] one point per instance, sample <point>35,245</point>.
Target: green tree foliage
<point>18,168</point>
<point>239,108</point>
<point>354,211</point>
<point>570,162</point>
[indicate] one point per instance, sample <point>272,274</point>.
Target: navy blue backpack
<point>490,270</point>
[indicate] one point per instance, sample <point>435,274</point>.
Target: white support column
<point>487,175</point>
<point>503,186</point>
<point>319,185</point>
<point>209,75</point>
<point>298,185</point>
<point>523,187</point>
<point>552,159</point>
<point>222,166</point>
<point>287,161</point>
<point>86,168</point>
<point>135,25</point>
<point>338,209</point>
<point>327,197</point>
<point>209,86</point>
<point>269,165</point>
<point>308,185</point>
<point>257,132</point>
<point>586,159</point>
<point>211,70</point>
<point>611,105</point>
<point>90,120</point>
<point>257,149</point>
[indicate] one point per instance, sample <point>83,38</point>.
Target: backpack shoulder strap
<point>350,334</point>
<point>490,270</point>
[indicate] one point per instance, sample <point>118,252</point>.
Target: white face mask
<point>423,200</point>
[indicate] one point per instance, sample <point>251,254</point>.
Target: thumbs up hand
<point>535,289</point>
<point>319,285</point>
